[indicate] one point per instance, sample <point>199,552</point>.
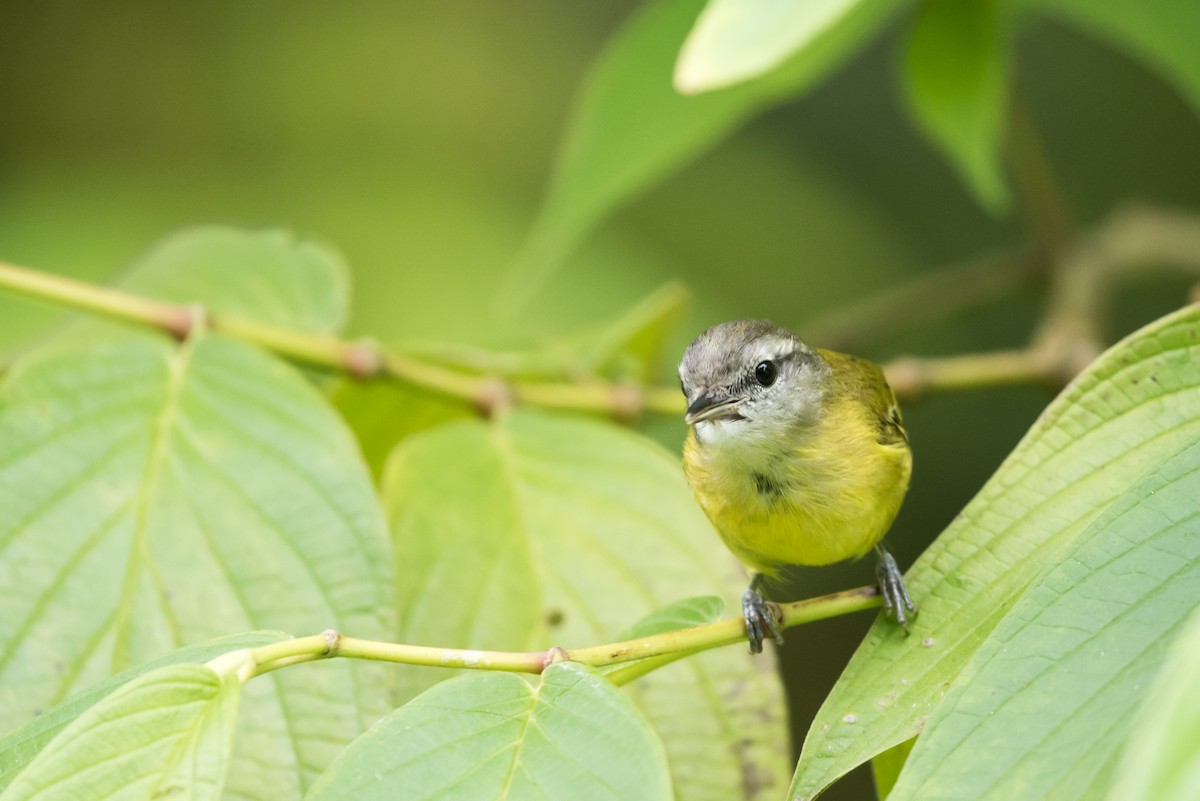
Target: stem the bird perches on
<point>644,653</point>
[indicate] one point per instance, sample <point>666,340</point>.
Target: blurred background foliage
<point>419,139</point>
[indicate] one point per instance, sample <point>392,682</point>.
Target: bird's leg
<point>891,586</point>
<point>760,619</point>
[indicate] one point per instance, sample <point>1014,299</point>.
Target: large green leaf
<point>1129,410</point>
<point>153,496</point>
<point>165,734</point>
<point>1043,707</point>
<point>734,40</point>
<point>269,276</point>
<point>18,748</point>
<point>1162,754</point>
<point>540,530</point>
<point>956,84</point>
<point>570,735</point>
<point>1162,33</point>
<point>631,128</point>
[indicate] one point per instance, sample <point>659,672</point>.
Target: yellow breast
<point>829,496</point>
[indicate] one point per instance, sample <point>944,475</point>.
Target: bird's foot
<point>760,618</point>
<point>895,595</point>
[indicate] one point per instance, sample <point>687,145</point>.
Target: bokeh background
<point>418,138</point>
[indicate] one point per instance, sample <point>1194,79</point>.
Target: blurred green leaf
<point>734,40</point>
<point>165,734</point>
<point>546,530</point>
<point>886,767</point>
<point>956,85</point>
<point>685,614</point>
<point>382,413</point>
<point>1162,754</point>
<point>1123,415</point>
<point>1162,33</point>
<point>1042,708</point>
<point>18,748</point>
<point>630,128</point>
<point>270,276</point>
<point>189,492</point>
<point>497,735</point>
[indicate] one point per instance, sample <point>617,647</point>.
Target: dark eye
<point>766,373</point>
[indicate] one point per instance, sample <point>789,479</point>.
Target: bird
<point>797,455</point>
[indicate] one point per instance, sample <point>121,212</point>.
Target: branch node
<point>555,654</point>
<point>333,642</point>
<point>182,322</point>
<point>627,402</point>
<point>493,397</point>
<point>363,359</point>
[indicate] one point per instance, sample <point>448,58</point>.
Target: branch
<point>1084,276</point>
<point>655,651</point>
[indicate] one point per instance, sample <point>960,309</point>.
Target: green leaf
<point>18,748</point>
<point>188,492</point>
<point>1123,415</point>
<point>886,767</point>
<point>1042,708</point>
<point>1162,754</point>
<point>496,735</point>
<point>1162,33</point>
<point>165,734</point>
<point>956,85</point>
<point>382,413</point>
<point>630,128</point>
<point>734,40</point>
<point>542,530</point>
<point>685,614</point>
<point>269,276</point>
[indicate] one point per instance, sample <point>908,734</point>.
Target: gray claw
<point>759,621</point>
<point>895,594</point>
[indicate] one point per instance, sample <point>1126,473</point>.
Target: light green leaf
<point>956,85</point>
<point>18,748</point>
<point>685,614</point>
<point>497,735</point>
<point>734,40</point>
<point>382,413</point>
<point>165,734</point>
<point>1162,33</point>
<point>541,530</point>
<point>1162,754</point>
<point>187,492</point>
<point>631,128</point>
<point>1042,708</point>
<point>1123,415</point>
<point>269,276</point>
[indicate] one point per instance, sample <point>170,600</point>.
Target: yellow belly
<point>829,499</point>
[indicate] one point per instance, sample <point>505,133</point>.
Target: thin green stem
<point>653,651</point>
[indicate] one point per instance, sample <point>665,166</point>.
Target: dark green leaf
<point>956,84</point>
<point>631,128</point>
<point>1162,33</point>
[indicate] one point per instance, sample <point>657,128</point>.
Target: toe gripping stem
<point>891,585</point>
<point>760,618</point>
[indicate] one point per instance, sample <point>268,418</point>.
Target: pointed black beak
<point>711,406</point>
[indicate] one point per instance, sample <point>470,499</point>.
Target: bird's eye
<point>766,373</point>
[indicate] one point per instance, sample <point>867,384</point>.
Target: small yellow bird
<point>798,456</point>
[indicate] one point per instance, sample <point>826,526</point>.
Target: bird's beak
<point>711,406</point>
